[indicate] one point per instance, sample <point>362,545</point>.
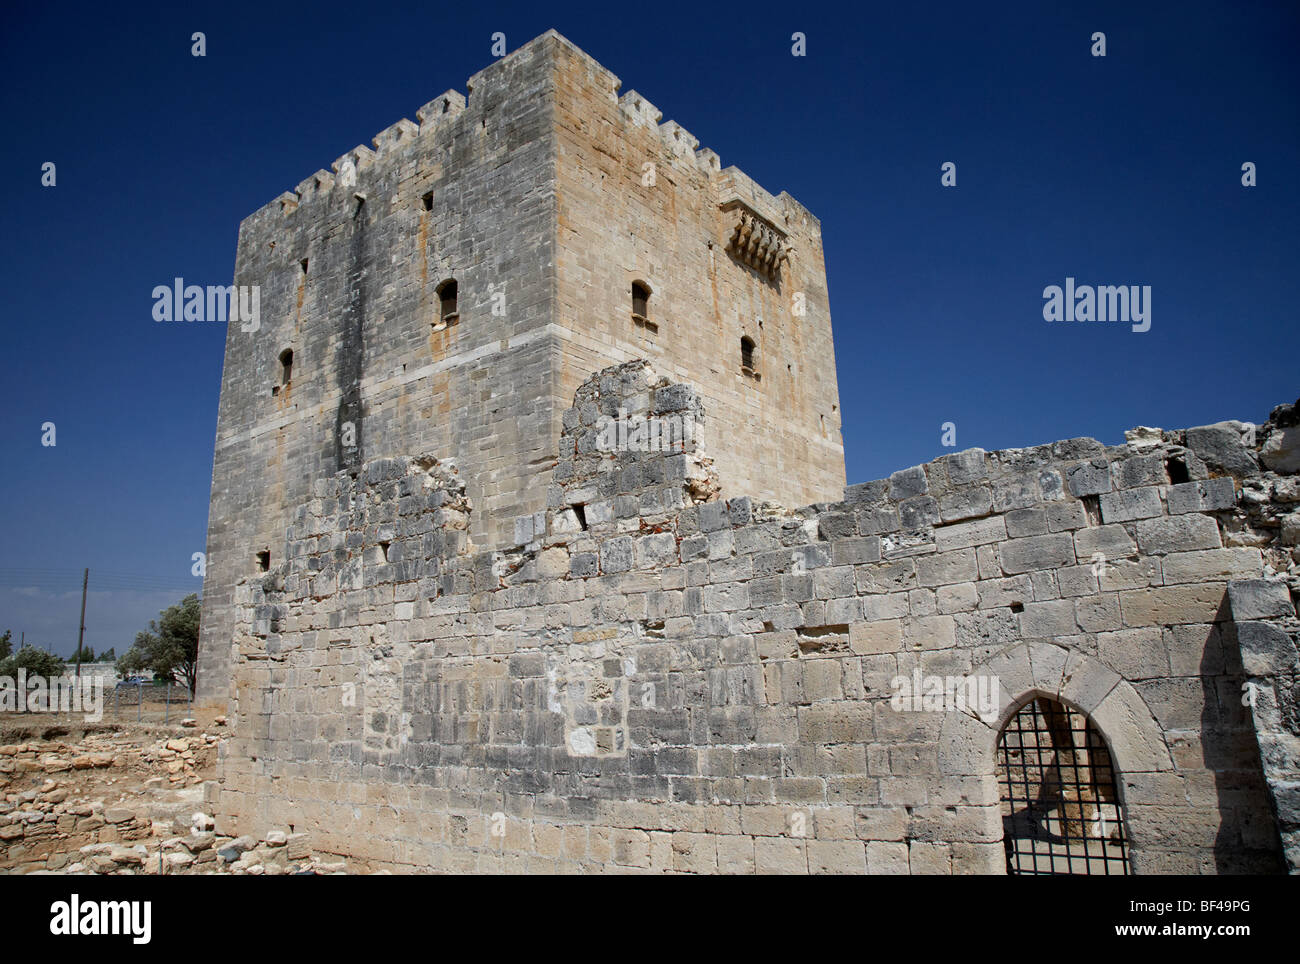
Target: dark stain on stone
<point>350,358</point>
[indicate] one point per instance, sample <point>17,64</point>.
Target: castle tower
<point>448,290</point>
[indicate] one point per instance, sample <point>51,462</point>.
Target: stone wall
<point>349,267</point>
<point>656,679</point>
<point>500,191</point>
<point>1268,635</point>
<point>640,200</point>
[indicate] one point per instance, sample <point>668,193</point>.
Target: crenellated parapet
<point>440,110</point>
<point>437,118</point>
<point>640,111</point>
<point>394,136</point>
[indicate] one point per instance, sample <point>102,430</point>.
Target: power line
<point>59,575</point>
<point>66,580</point>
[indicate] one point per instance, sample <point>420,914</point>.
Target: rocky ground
<point>113,798</point>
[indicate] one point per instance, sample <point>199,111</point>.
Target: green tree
<point>109,655</point>
<point>170,647</point>
<point>134,661</point>
<point>37,662</point>
<point>6,644</point>
<point>87,655</point>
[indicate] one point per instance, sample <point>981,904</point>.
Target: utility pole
<point>85,581</point>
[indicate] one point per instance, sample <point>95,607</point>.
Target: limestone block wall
<point>349,267</point>
<point>655,679</point>
<point>1268,635</point>
<point>641,201</point>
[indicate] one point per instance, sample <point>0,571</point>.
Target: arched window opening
<point>641,307</point>
<point>748,356</point>
<point>1061,812</point>
<point>448,313</point>
<point>286,371</point>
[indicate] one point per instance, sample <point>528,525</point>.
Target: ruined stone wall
<point>349,264</point>
<point>656,679</point>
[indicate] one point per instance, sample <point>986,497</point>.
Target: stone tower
<point>448,291</point>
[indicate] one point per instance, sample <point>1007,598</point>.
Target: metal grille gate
<point>1060,811</point>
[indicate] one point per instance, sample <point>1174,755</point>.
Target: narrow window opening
<point>641,307</point>
<point>264,560</point>
<point>748,353</point>
<point>581,513</point>
<point>383,546</point>
<point>286,367</point>
<point>427,201</point>
<point>448,313</point>
<point>303,264</point>
<point>1176,466</point>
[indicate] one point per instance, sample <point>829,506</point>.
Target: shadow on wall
<point>1247,841</point>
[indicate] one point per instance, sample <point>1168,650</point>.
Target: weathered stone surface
<point>1089,478</point>
<point>1177,534</point>
<point>1281,452</point>
<point>1266,650</point>
<point>966,466</point>
<point>1223,446</point>
<point>1204,496</point>
<point>1129,504</point>
<point>563,655</point>
<point>702,639</point>
<point>511,194</point>
<point>1260,599</point>
<point>1036,552</point>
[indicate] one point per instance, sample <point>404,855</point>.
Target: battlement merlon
<point>438,116</point>
<point>441,109</point>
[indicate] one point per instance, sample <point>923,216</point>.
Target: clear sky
<point>1123,169</point>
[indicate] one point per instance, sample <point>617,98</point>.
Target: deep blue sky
<point>1122,170</point>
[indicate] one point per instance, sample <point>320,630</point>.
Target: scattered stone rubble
<point>59,811</point>
<point>202,851</point>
